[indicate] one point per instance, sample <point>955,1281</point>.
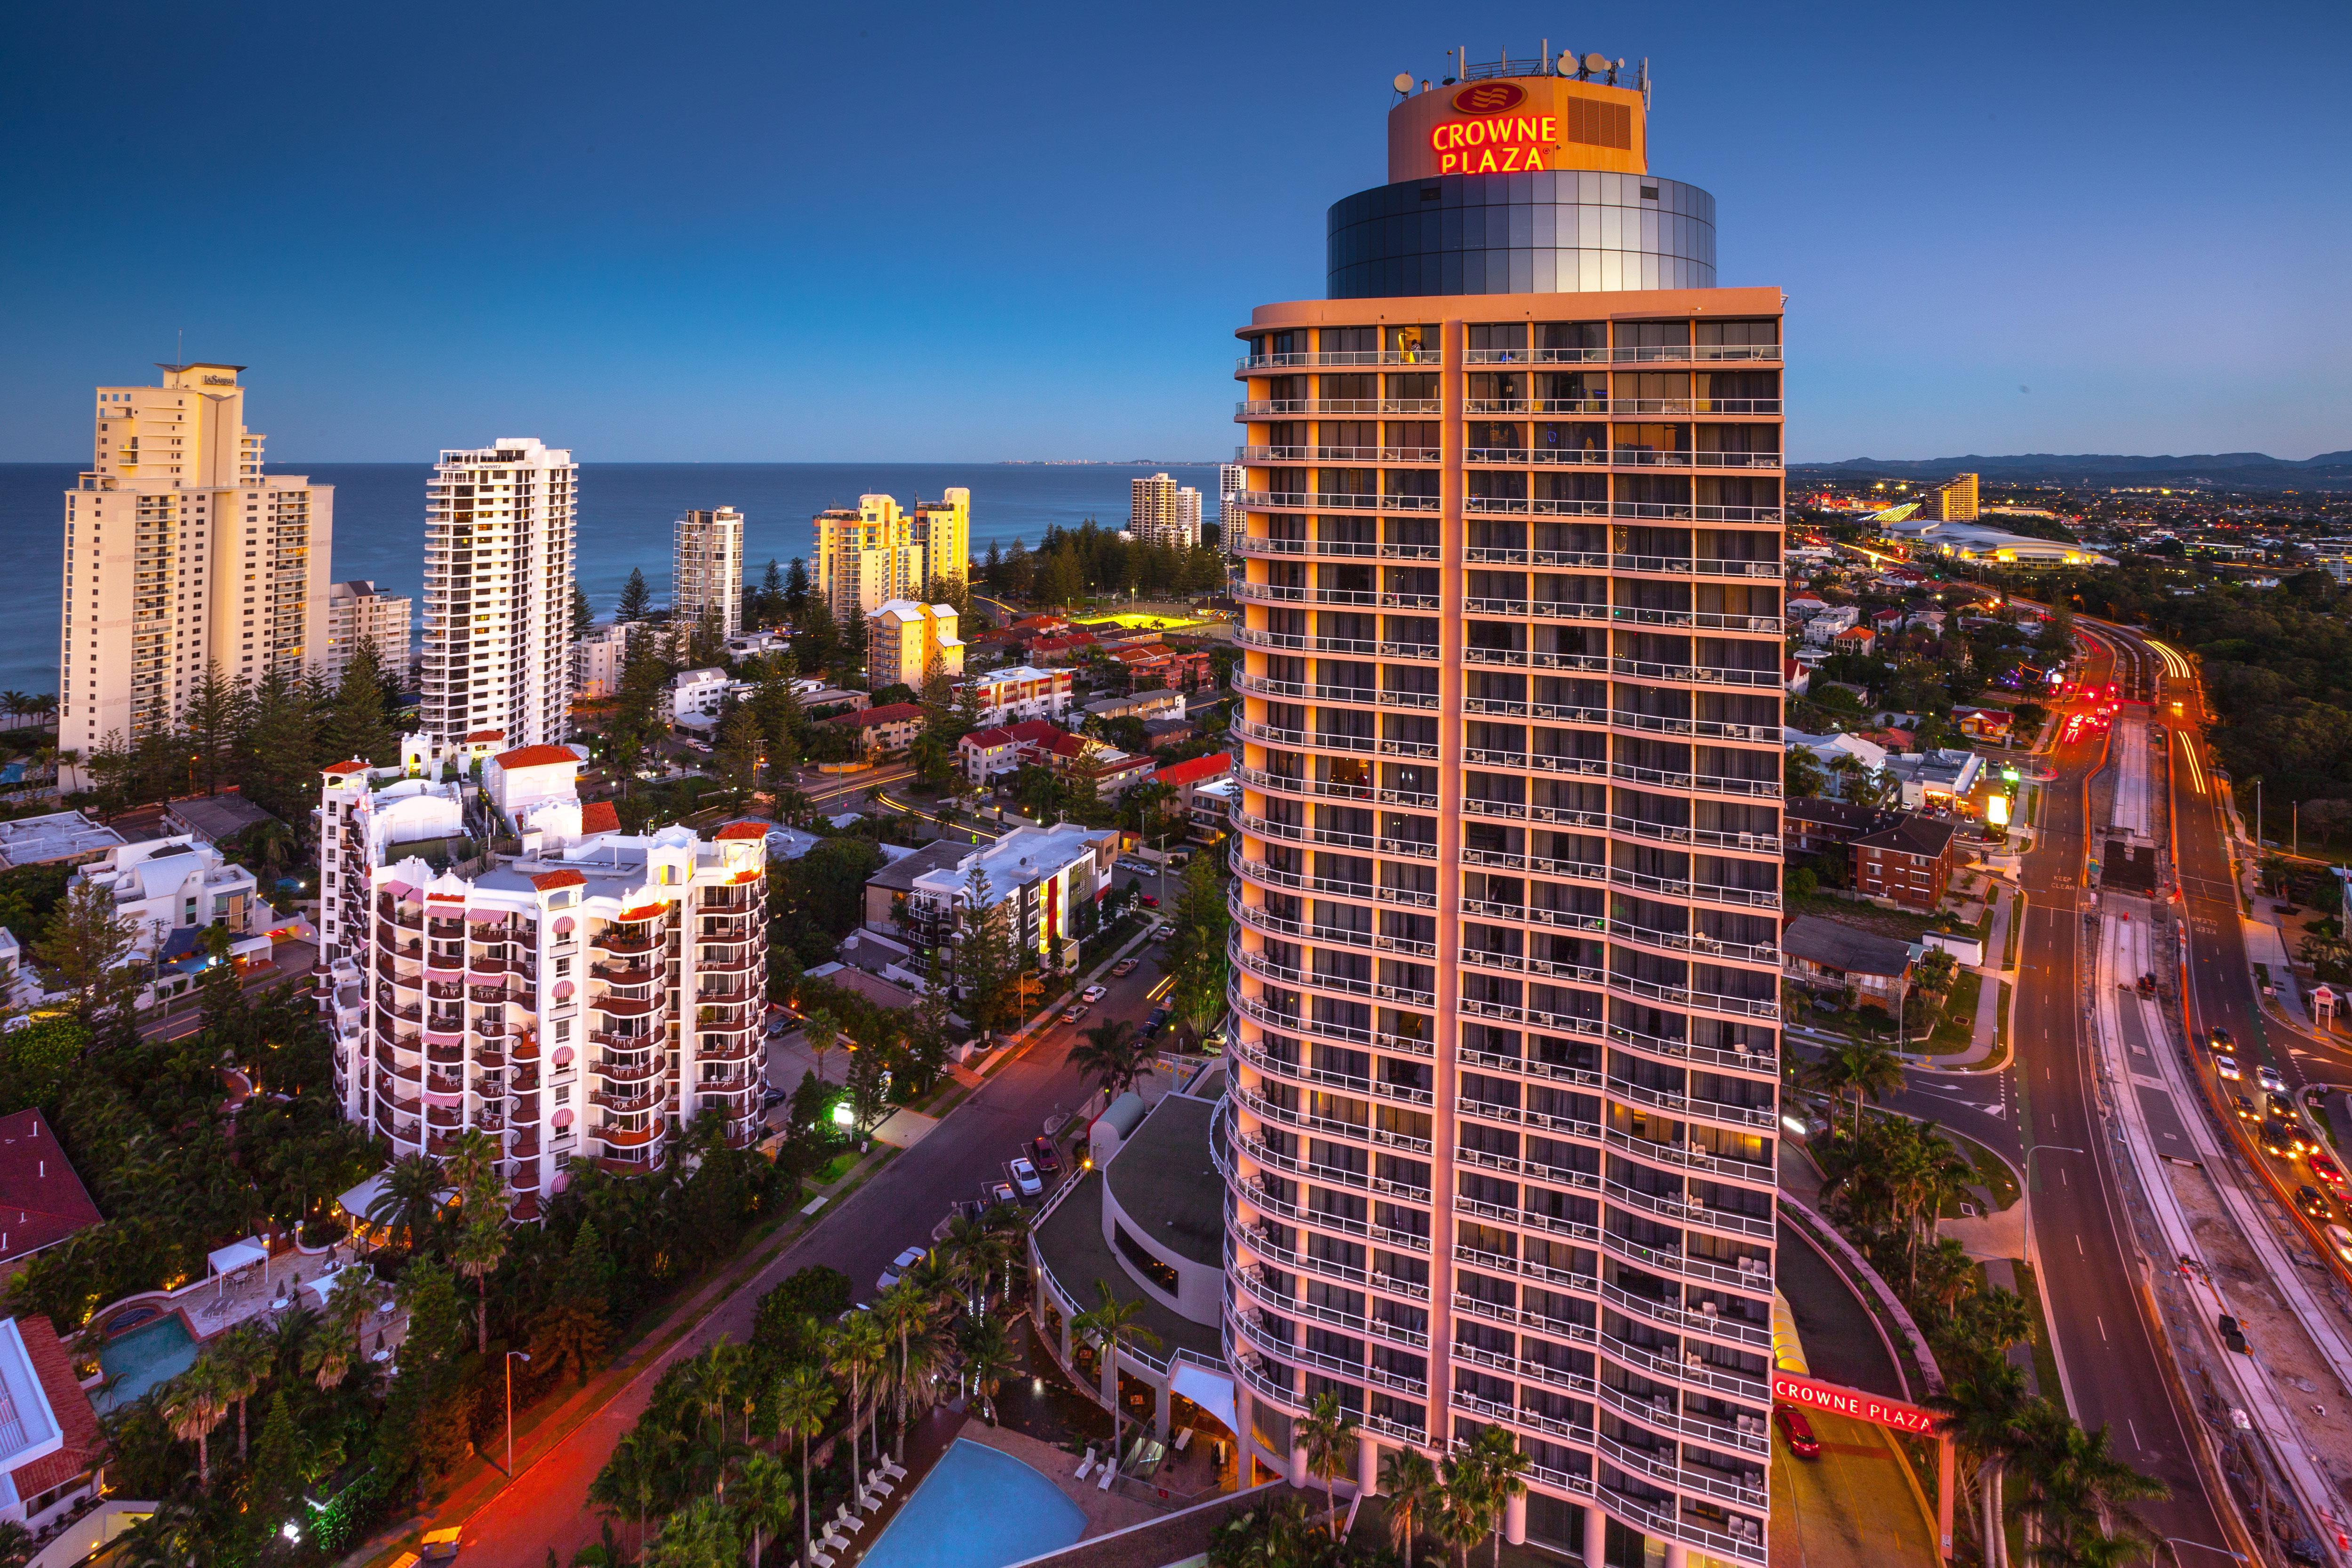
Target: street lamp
<point>511,1356</point>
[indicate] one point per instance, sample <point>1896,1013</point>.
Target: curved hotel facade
<point>1498,1150</point>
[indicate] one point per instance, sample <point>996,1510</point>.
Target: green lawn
<point>2045,1363</point>
<point>1954,1031</point>
<point>1992,1172</point>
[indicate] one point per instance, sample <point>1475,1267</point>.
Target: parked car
<point>2269,1079</point>
<point>899,1267</point>
<point>1094,993</point>
<point>1165,929</point>
<point>1150,901</point>
<point>1025,1177</point>
<point>1046,1158</point>
<point>1073,1013</point>
<point>2314,1203</point>
<point>2226,1068</point>
<point>998,1191</point>
<point>1124,967</point>
<point>1797,1431</point>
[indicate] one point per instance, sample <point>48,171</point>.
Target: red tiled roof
<point>1034,732</point>
<point>84,1446</point>
<point>339,769</point>
<point>535,757</point>
<point>1066,744</point>
<point>1125,765</point>
<point>42,1200</point>
<point>742,830</point>
<point>1197,770</point>
<point>549,881</point>
<point>892,712</point>
<point>483,736</point>
<point>986,739</point>
<point>600,816</point>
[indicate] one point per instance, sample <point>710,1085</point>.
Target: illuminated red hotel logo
<point>1812,1394</point>
<point>1502,144</point>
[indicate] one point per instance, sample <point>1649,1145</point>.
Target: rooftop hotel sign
<point>1812,1393</point>
<point>1516,125</point>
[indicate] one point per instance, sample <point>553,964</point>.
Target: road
<point>2042,1119</point>
<point>544,1507</point>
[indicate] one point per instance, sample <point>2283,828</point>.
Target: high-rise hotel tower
<point>181,556</point>
<point>1499,1144</point>
<point>499,526</point>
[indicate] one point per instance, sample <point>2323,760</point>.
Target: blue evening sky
<point>959,233</point>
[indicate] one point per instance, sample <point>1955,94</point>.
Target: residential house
<point>51,1446</point>
<point>1022,692</point>
<point>1211,808</point>
<point>887,729</point>
<point>1060,650</point>
<point>1854,640</point>
<point>1185,778</point>
<point>1143,704</point>
<point>42,1200</point>
<point>165,887</point>
<point>693,694</point>
<point>213,818</point>
<point>1040,877</point>
<point>1907,863</point>
<point>1822,828</point>
<point>985,753</point>
<point>1121,772</point>
<point>1828,749</point>
<point>1827,623</point>
<point>1160,734</point>
<point>1990,726</point>
<point>1796,678</point>
<point>1830,957</point>
<point>1804,607</point>
<point>1935,780</point>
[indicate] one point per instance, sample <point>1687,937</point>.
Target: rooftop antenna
<point>1543,60</point>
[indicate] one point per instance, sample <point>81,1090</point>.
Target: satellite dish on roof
<point>1596,62</point>
<point>1403,82</point>
<point>1567,62</point>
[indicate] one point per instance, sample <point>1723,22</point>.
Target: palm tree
<point>17,1545</point>
<point>1862,1068</point>
<point>198,1401</point>
<point>1497,1455</point>
<point>1410,1482</point>
<point>1459,1519</point>
<point>987,1358</point>
<point>763,1495</point>
<point>409,1202</point>
<point>1988,1415</point>
<point>1325,1432</point>
<point>243,1359</point>
<point>820,1032</point>
<point>900,1310</point>
<point>1112,1056</point>
<point>1110,1327</point>
<point>804,1399</point>
<point>481,1246</point>
<point>855,1349</point>
<point>2075,1481</point>
<point>634,1474</point>
<point>329,1353</point>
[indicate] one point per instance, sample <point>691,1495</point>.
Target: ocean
<point>626,513</point>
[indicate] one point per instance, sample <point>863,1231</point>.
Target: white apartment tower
<point>706,571</point>
<point>1232,480</point>
<point>180,553</point>
<point>878,552</point>
<point>1163,512</point>
<point>498,594</point>
<point>582,1001</point>
<point>357,613</point>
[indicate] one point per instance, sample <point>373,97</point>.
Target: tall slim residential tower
<point>1501,1141</point>
<point>1232,478</point>
<point>180,553</point>
<point>498,594</point>
<point>357,613</point>
<point>706,571</point>
<point>878,552</point>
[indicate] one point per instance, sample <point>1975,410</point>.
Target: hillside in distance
<point>2219,470</point>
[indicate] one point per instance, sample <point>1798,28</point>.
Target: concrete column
<point>1164,1414</point>
<point>1243,1421</point>
<point>1677,1555</point>
<point>1596,1536</point>
<point>1515,1520</point>
<point>1300,1475</point>
<point>1368,1464</point>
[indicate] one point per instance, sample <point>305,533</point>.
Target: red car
<point>1798,1431</point>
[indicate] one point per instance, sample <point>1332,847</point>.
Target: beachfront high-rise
<point>878,552</point>
<point>706,571</point>
<point>181,554</point>
<point>1162,512</point>
<point>1505,979</point>
<point>497,594</point>
<point>357,614</point>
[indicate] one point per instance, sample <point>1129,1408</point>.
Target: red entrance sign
<point>1812,1393</point>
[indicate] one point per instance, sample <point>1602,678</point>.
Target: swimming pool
<point>138,1361</point>
<point>978,1509</point>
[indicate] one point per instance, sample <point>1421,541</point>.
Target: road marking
<point>2103,1329</point>
<point>2143,1447</point>
<point>2078,1247</point>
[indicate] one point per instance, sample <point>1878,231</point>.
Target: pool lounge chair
<point>869,1501</point>
<point>1086,1465</point>
<point>878,1482</point>
<point>893,1468</point>
<point>820,1559</point>
<point>833,1539</point>
<point>1109,1474</point>
<point>844,1520</point>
